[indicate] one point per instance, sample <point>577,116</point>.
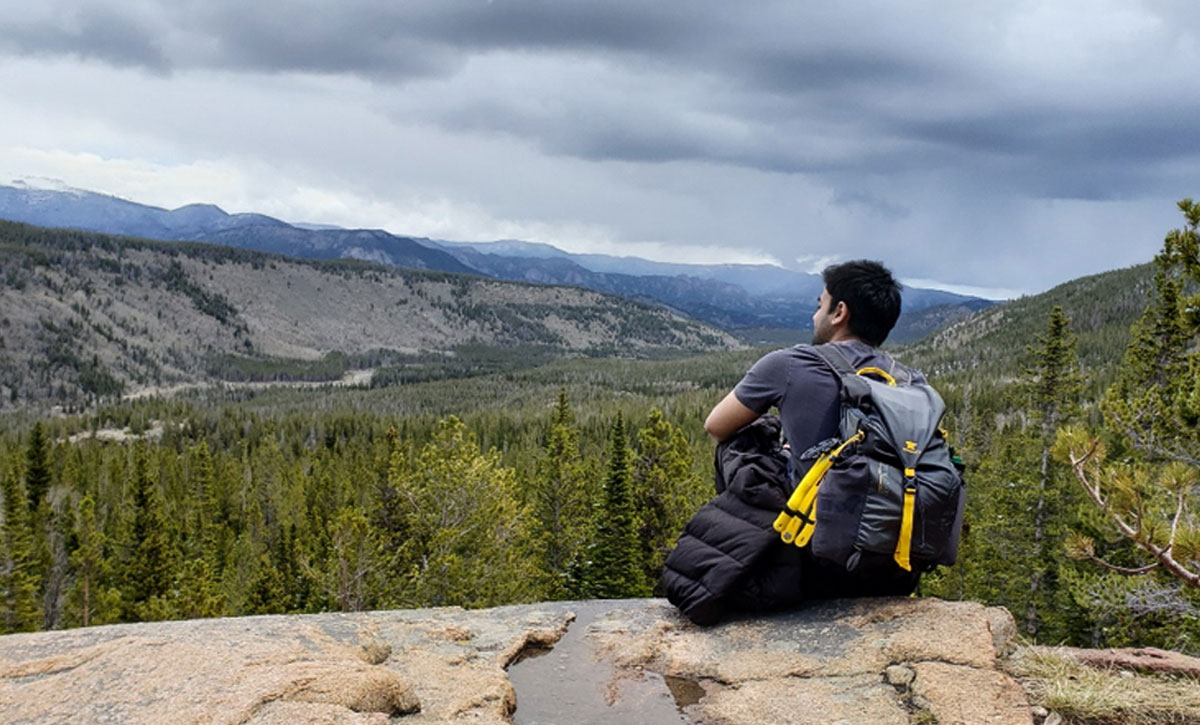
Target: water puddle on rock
<point>686,692</point>
<point>567,685</point>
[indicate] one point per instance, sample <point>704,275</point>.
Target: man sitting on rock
<point>729,558</point>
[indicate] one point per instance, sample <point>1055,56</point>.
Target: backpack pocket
<point>941,501</point>
<point>860,509</point>
<point>841,499</point>
<point>883,510</point>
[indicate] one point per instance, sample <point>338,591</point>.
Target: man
<point>857,309</point>
<point>855,312</point>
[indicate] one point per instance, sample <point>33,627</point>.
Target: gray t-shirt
<point>806,390</point>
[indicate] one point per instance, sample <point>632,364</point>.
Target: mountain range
<point>745,299</point>
<point>85,315</point>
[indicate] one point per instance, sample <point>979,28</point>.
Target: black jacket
<point>729,556</point>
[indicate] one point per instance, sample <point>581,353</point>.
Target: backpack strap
<point>834,358</point>
<point>837,360</point>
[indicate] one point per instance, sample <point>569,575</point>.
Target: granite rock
<point>829,663</point>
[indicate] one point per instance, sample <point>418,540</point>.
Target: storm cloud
<point>994,145</point>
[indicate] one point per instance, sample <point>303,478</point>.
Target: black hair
<point>871,294</point>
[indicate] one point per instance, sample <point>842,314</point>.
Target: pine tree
<point>1021,506</point>
<point>37,467</point>
<point>559,499</point>
<point>241,576</point>
<point>19,584</point>
<point>354,559</point>
<point>151,569</point>
<point>667,490</point>
<point>206,508</point>
<point>297,585</point>
<point>389,518</point>
<point>49,556</point>
<point>1052,385</point>
<point>268,591</point>
<point>54,524</point>
<point>196,593</point>
<point>88,599</point>
<point>616,569</point>
<point>467,531</point>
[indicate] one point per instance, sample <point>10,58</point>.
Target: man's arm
<point>727,418</point>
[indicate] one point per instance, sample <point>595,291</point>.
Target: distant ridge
<point>90,211</point>
<point>741,298</point>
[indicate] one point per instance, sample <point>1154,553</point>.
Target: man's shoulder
<point>801,355</point>
<point>803,359</point>
<point>859,355</point>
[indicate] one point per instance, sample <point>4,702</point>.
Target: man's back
<point>806,389</point>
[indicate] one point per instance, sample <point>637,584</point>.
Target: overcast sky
<point>1007,146</point>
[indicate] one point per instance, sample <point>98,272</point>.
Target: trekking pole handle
<point>782,520</point>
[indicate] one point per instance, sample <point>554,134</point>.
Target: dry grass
<point>1086,695</point>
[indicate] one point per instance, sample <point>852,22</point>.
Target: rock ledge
<point>878,661</point>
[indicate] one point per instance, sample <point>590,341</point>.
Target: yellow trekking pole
<point>797,522</point>
<point>789,524</point>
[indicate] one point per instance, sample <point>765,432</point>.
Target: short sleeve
<point>765,383</point>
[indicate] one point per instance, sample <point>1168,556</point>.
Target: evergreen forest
<point>542,478</point>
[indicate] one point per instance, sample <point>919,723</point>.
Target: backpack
<point>889,487</point>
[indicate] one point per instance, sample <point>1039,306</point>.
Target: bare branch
<point>1175,521</point>
<point>1093,490</point>
<point>1182,456</point>
<point>1151,445</point>
<point>1122,569</point>
<point>1091,451</point>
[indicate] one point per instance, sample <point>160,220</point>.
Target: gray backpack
<point>889,486</point>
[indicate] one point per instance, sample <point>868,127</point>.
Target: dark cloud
<point>930,118</point>
<point>385,40</point>
<point>325,38</point>
<point>605,26</point>
<point>1067,154</point>
<point>94,33</point>
<point>798,70</point>
<point>800,82</point>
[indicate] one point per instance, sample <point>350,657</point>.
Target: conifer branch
<point>1093,492</point>
<point>1162,555</point>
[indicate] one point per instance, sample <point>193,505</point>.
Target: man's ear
<point>841,313</point>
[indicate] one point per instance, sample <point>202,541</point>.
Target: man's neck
<point>846,336</point>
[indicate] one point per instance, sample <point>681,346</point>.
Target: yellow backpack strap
<point>880,372</point>
<point>904,545</point>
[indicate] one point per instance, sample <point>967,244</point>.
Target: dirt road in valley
<point>352,378</point>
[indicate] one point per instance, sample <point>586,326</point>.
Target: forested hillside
<point>991,343</point>
<point>86,316</point>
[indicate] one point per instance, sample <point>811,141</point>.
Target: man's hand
<point>727,418</point>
